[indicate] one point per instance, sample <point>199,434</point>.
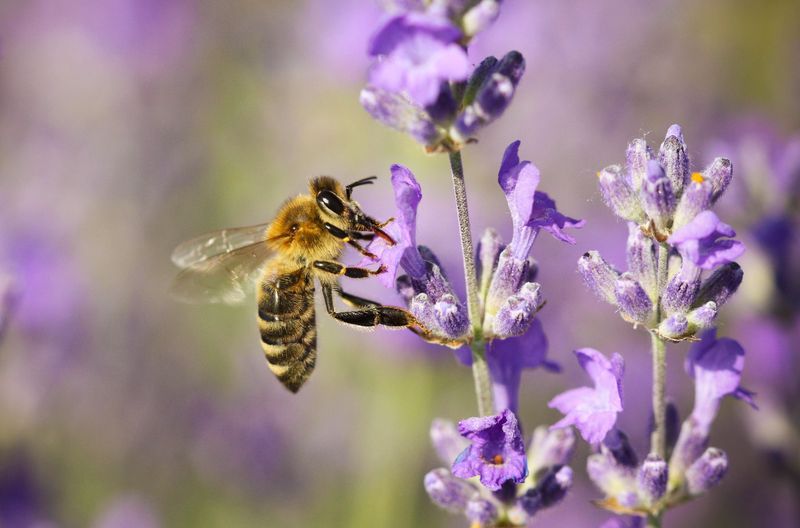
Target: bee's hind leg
<point>370,315</point>
<point>354,300</point>
<point>374,314</point>
<point>335,268</point>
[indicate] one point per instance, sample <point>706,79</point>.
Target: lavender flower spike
<point>497,453</point>
<point>716,365</point>
<point>593,410</point>
<point>702,241</point>
<point>419,52</point>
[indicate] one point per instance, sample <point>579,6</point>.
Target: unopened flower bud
<point>515,315</point>
<point>550,447</point>
<point>422,308</point>
<point>674,327</point>
<point>696,198</point>
<point>652,478</point>
<point>642,256</point>
<point>720,174</point>
<point>491,98</point>
<point>720,285</point>
<point>612,478</point>
<point>658,197</point>
<point>692,441</point>
<point>707,471</point>
<point>618,194</point>
<point>633,301</point>
<point>599,275</point>
<point>396,111</point>
<point>444,108</point>
<point>451,316</point>
<point>672,156</point>
<point>682,290</point>
<point>446,440</point>
<point>447,491</point>
<point>480,17</point>
<point>481,512</point>
<point>638,155</point>
<point>551,489</point>
<point>703,317</point>
<point>617,445</point>
<point>506,281</point>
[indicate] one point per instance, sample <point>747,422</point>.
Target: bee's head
<point>336,207</point>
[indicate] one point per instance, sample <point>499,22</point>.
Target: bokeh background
<point>127,126</point>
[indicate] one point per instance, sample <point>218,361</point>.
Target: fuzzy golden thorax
<point>298,234</point>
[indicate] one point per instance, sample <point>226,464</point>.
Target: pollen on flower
<point>497,459</point>
<point>698,177</point>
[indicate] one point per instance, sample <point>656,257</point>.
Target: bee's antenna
<point>363,181</point>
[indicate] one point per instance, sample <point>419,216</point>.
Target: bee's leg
<point>357,235</point>
<point>350,237</point>
<point>335,268</point>
<point>370,316</point>
<point>354,300</point>
<point>374,314</point>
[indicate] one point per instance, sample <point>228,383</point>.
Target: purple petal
<point>496,453</point>
<point>544,215</point>
<point>716,365</point>
<point>408,194</point>
<point>508,357</point>
<point>699,241</point>
<point>593,410</point>
<point>397,29</point>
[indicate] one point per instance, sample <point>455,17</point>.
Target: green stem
<point>654,521</point>
<point>658,439</point>
<point>480,370</point>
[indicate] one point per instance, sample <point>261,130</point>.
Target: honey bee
<point>283,257</point>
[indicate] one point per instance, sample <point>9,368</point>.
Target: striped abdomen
<point>288,330</point>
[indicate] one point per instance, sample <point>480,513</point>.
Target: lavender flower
<point>497,453</point>
<point>508,357</point>
<point>706,242</point>
<point>418,52</point>
<point>425,287</point>
<point>516,491</point>
<point>716,366</point>
<point>593,410</point>
<point>667,209</point>
<point>531,211</point>
<point>422,82</point>
<point>668,212</point>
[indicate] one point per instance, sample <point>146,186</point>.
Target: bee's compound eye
<point>294,228</point>
<point>330,202</point>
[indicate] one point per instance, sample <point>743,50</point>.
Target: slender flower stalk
<point>480,369</point>
<point>659,357</point>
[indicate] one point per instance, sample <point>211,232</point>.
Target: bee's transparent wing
<point>224,278</point>
<point>216,243</point>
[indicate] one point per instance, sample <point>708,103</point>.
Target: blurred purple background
<point>127,126</point>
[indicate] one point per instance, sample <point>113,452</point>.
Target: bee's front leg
<point>350,237</point>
